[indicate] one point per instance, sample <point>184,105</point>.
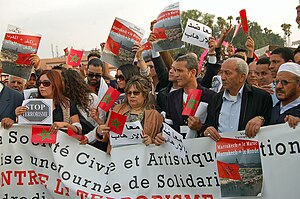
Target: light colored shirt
<point>290,105</point>
<point>230,112</point>
<point>274,97</point>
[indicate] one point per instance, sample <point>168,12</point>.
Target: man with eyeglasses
<point>288,93</point>
<point>94,77</point>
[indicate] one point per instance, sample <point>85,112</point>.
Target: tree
<point>229,18</point>
<point>238,19</point>
<point>287,32</point>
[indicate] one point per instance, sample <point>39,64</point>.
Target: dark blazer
<point>278,118</point>
<point>175,106</point>
<point>9,100</point>
<point>255,102</point>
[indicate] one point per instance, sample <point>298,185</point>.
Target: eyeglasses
<point>91,75</point>
<point>284,82</point>
<point>45,83</point>
<point>120,77</point>
<point>135,93</point>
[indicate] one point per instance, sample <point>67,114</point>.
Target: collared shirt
<point>294,103</point>
<point>230,112</point>
<point>274,97</point>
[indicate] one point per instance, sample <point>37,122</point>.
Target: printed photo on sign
<point>39,111</point>
<point>30,93</point>
<point>18,45</point>
<point>118,47</point>
<point>168,30</point>
<point>196,33</point>
<point>239,167</point>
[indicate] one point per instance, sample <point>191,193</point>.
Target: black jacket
<point>255,102</point>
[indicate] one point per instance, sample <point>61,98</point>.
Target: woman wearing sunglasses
<point>65,113</point>
<point>137,106</point>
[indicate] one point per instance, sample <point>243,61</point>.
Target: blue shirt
<point>290,105</point>
<point>230,112</point>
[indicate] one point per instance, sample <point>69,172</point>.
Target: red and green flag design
<point>116,122</point>
<point>74,57</point>
<point>230,171</point>
<point>112,46</point>
<point>23,59</point>
<point>109,99</point>
<point>244,20</point>
<point>192,102</point>
<point>75,135</point>
<point>41,134</point>
<point>160,33</point>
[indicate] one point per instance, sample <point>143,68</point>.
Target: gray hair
<point>11,76</point>
<point>241,66</point>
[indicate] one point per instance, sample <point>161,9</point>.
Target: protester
<point>288,92</point>
<point>87,104</point>
<point>264,74</point>
<point>186,70</point>
<point>65,113</point>
<point>94,77</point>
<point>252,75</point>
<point>31,83</point>
<point>278,57</point>
<point>138,106</point>
<point>16,83</point>
<point>240,106</point>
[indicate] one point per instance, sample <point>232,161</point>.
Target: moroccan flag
<point>192,102</point>
<point>244,20</point>
<point>74,135</point>
<point>116,122</point>
<point>255,57</point>
<point>109,99</point>
<point>74,57</point>
<point>230,171</point>
<point>112,46</point>
<point>160,33</point>
<point>23,59</point>
<point>66,50</point>
<point>41,134</point>
<point>237,28</point>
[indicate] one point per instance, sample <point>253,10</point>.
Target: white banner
<point>69,170</point>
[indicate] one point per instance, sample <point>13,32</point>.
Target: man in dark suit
<point>9,100</point>
<point>240,106</point>
<point>186,70</point>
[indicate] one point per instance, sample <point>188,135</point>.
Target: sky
<point>84,24</point>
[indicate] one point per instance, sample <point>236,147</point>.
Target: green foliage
<point>262,37</point>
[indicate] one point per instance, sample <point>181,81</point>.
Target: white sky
<point>84,24</point>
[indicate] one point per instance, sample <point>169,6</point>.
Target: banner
<point>118,47</point>
<point>18,45</point>
<point>67,169</point>
<point>168,30</point>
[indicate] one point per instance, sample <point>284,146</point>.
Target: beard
<point>94,83</point>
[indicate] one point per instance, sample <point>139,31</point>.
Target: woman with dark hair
<point>124,73</point>
<point>137,106</point>
<point>65,114</point>
<point>87,104</point>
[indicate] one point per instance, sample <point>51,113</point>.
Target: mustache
<point>280,90</point>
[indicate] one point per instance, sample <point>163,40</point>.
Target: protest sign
<point>31,93</point>
<point>147,50</point>
<point>18,45</point>
<point>167,29</point>
<point>118,47</point>
<point>39,111</point>
<point>197,34</point>
<point>132,134</point>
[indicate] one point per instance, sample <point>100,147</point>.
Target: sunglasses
<point>284,82</point>
<point>120,77</point>
<point>96,75</point>
<point>135,93</point>
<point>45,83</point>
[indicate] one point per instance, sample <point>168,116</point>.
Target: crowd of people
<point>241,93</point>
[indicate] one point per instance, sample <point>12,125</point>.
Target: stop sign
<point>37,111</point>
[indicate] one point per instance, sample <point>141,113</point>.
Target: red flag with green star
<point>116,122</point>
<point>244,20</point>
<point>75,135</point>
<point>192,102</point>
<point>109,99</point>
<point>41,134</point>
<point>74,57</point>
